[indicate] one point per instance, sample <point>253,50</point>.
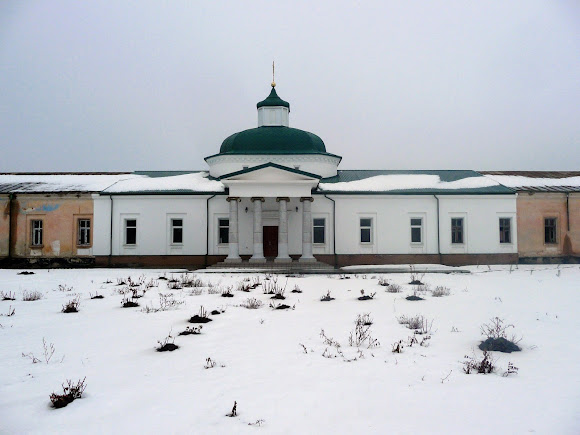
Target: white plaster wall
<point>101,224</point>
<point>481,223</point>
<point>322,208</point>
<point>152,214</point>
<point>392,231</point>
<point>391,216</point>
<point>325,166</point>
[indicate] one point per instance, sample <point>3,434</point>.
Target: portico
<point>275,187</point>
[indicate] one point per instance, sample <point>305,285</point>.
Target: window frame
<point>365,227</point>
<point>81,229</point>
<point>126,227</point>
<point>34,231</point>
<point>219,228</point>
<point>173,227</point>
<point>509,232</point>
<point>453,231</point>
<point>413,226</point>
<point>323,226</point>
<point>555,228</point>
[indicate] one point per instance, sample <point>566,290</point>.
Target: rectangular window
<point>36,233</point>
<point>224,231</point>
<point>130,231</point>
<point>84,232</point>
<point>366,227</point>
<point>176,231</point>
<point>550,230</point>
<point>416,230</point>
<point>318,230</point>
<point>505,230</point>
<point>457,230</point>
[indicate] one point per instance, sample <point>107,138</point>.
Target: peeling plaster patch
<point>55,247</point>
<point>50,207</point>
<point>35,253</point>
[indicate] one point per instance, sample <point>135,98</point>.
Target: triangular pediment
<point>270,172</point>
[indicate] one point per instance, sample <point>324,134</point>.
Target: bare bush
<point>192,330</point>
<point>70,392</point>
<point>384,282</point>
<point>252,303</point>
<point>97,295</point>
<point>419,323</point>
<point>326,297</point>
<point>64,288</point>
<point>416,278</point>
<point>201,317</point>
<point>364,297</point>
<point>11,312</point>
<point>167,301</point>
<point>217,290</point>
<point>48,350</point>
<point>72,306</point>
<point>296,289</point>
<point>32,295</point>
<point>473,364</point>
<point>440,291</point>
<point>362,333</point>
<point>394,288</point>
<point>167,344</point>
<point>10,296</point>
<point>496,328</point>
<point>227,292</point>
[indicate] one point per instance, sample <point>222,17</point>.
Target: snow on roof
<point>537,183</point>
<point>43,183</point>
<point>183,183</point>
<point>381,183</point>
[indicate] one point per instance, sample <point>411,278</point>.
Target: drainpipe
<point>333,231</point>
<point>568,210</point>
<point>438,231</point>
<point>111,234</point>
<point>207,229</point>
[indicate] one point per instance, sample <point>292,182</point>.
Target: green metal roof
<point>273,140</point>
<point>444,175</point>
<point>269,165</point>
<point>273,100</point>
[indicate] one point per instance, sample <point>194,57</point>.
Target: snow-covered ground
<point>271,361</point>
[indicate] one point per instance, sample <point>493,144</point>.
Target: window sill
<point>36,246</point>
<point>84,246</point>
<point>129,246</point>
<point>176,245</point>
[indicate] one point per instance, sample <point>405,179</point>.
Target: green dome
<point>273,140</point>
<point>273,100</point>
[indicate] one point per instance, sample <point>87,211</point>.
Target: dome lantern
<point>273,111</point>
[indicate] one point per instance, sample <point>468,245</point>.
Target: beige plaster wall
<point>59,213</point>
<point>4,225</point>
<point>532,209</point>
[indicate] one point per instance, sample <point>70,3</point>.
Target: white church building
<point>274,194</point>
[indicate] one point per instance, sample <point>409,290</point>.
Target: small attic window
<point>245,167</point>
<point>296,166</point>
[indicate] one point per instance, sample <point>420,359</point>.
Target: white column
<point>258,255</point>
<point>283,256</point>
<point>307,256</point>
<point>234,255</point>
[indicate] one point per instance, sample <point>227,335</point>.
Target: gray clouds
<point>89,86</point>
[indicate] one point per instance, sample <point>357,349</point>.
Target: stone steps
<point>270,266</point>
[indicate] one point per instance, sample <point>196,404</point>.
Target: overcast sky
<point>158,85</point>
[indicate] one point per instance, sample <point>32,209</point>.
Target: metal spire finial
<point>273,82</point>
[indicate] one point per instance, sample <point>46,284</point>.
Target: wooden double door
<point>270,235</point>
